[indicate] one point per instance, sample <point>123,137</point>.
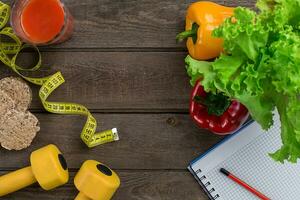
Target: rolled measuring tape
<point>49,84</point>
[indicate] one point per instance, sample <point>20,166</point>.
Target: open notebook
<point>245,154</point>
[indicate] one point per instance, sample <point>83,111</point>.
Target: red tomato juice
<point>42,20</point>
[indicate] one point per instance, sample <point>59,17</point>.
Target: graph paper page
<point>252,164</point>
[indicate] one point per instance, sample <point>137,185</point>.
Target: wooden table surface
<point>123,63</point>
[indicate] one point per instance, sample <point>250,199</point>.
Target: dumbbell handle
<point>82,196</point>
<point>16,180</point>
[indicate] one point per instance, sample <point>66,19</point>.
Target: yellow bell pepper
<point>201,19</point>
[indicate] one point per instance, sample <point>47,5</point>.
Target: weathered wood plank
<point>136,185</point>
<point>148,141</point>
<point>130,24</point>
<point>117,80</point>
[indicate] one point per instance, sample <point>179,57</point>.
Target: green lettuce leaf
<point>260,67</point>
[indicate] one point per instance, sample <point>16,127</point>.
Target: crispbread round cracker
<point>6,103</point>
<point>18,129</point>
<point>18,90</point>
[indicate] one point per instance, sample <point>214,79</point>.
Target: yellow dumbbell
<point>96,181</point>
<point>48,168</point>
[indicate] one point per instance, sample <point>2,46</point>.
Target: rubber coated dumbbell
<point>48,168</point>
<point>96,181</point>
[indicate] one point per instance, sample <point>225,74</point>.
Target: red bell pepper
<point>216,112</point>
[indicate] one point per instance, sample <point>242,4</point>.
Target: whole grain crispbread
<point>6,103</point>
<point>18,129</point>
<point>18,90</point>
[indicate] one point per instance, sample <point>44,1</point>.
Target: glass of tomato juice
<point>41,22</point>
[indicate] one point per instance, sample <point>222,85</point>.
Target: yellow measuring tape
<point>49,84</point>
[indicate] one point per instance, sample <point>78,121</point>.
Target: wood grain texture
<point>136,185</point>
<point>116,80</point>
<point>107,24</point>
<point>148,141</point>
<point>124,64</point>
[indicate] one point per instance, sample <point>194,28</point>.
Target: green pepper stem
<point>216,104</point>
<point>188,33</point>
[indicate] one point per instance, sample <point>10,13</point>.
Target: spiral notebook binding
<point>211,191</point>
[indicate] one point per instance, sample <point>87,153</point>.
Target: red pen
<point>243,184</point>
